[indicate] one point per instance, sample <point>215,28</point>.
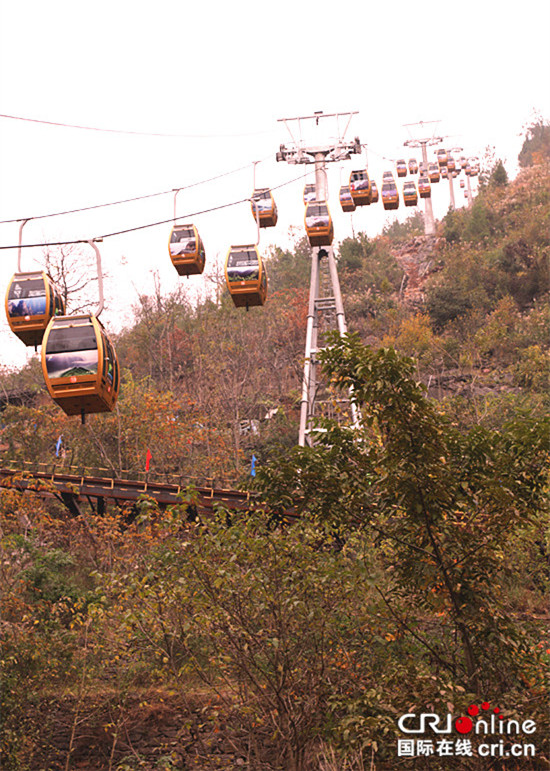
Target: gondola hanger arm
<point>99,275</point>
<point>255,206</point>
<point>254,163</point>
<point>176,191</point>
<point>23,223</point>
<point>256,210</point>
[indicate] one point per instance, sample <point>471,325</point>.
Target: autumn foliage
<point>398,568</point>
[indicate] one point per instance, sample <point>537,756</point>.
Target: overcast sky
<point>220,75</point>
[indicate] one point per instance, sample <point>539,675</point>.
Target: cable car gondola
<point>462,183</point>
<point>78,360</point>
<point>346,201</point>
<point>442,157</point>
<point>451,163</point>
<point>319,227</point>
<point>390,196</point>
<point>263,200</point>
<point>360,187</point>
<point>413,166</point>
<point>186,250</point>
<point>424,187</point>
<point>309,193</point>
<point>410,196</point>
<point>32,299</point>
<point>374,195</point>
<point>401,168</point>
<point>444,172</point>
<point>433,172</point>
<point>246,276</point>
<point>80,365</point>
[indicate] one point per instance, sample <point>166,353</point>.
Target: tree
<point>289,268</point>
<point>354,252</point>
<point>492,170</point>
<point>536,145</point>
<point>488,161</point>
<point>442,504</point>
<point>446,303</point>
<point>413,226</point>
<point>453,225</point>
<point>158,345</point>
<point>73,268</point>
<point>368,264</point>
<point>498,176</point>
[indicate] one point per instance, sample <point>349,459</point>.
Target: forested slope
<point>198,375</point>
<point>413,580</point>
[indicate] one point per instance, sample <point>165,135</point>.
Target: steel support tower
<point>454,151</point>
<point>325,309</point>
<point>429,222</point>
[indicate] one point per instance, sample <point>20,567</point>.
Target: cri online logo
<point>493,722</point>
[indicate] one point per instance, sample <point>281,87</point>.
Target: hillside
<point>413,579</point>
<point>470,306</point>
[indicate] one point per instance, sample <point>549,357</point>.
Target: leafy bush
<point>447,303</point>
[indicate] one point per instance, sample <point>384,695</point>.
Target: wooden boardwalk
<point>77,486</point>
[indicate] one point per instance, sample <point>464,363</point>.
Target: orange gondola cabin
<point>360,187</point>
<point>390,196</point>
<point>433,172</point>
<point>424,187</point>
<point>32,300</point>
<point>264,203</point>
<point>319,227</point>
<point>79,365</point>
<point>444,172</point>
<point>401,168</point>
<point>442,157</point>
<point>346,201</point>
<point>374,195</point>
<point>186,250</point>
<point>413,166</point>
<point>410,195</point>
<point>246,276</point>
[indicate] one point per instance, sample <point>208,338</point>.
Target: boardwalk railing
<point>86,483</point>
